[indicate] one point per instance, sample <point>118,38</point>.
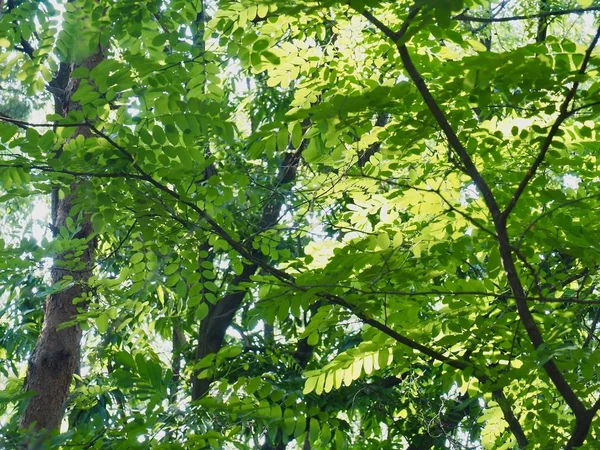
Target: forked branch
<point>499,219</point>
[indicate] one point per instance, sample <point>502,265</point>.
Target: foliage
<point>395,201</point>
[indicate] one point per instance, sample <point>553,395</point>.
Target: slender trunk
<point>542,29</point>
<point>486,36</point>
<point>215,324</point>
<point>55,357</point>
<point>268,335</point>
<point>56,354</point>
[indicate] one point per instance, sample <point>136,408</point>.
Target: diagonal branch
<point>451,136</point>
<point>436,191</point>
<point>582,107</point>
<point>123,175</point>
<point>239,248</point>
<point>505,406</point>
<point>564,114</point>
<point>435,109</point>
<point>550,212</point>
<point>455,363</point>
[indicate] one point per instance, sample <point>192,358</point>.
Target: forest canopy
<point>358,224</point>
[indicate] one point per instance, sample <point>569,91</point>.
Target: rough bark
<point>56,354</point>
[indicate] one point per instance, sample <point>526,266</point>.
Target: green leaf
<point>160,40</point>
<point>159,135</point>
<point>383,241</point>
<point>102,322</point>
<point>314,430</point>
<point>201,311</point>
<point>300,425</point>
<point>136,258</point>
<point>262,11</point>
<point>261,44</point>
<point>271,57</point>
<point>145,137</point>
<point>309,385</point>
<point>171,269</point>
<point>297,135</point>
<point>282,140</point>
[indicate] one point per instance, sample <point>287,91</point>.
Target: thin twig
<point>562,12</point>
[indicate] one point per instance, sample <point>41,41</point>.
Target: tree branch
<point>511,419</point>
<point>23,123</point>
<point>381,26</point>
<point>592,330</point>
<point>550,212</point>
<point>467,18</point>
<point>123,175</point>
<point>456,363</point>
<point>507,411</point>
<point>562,116</point>
<point>239,248</point>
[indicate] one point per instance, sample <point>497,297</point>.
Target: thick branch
<point>511,419</point>
<point>220,316</point>
<point>469,167</point>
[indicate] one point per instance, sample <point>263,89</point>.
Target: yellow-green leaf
<point>102,322</point>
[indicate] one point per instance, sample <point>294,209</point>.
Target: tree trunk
<point>56,354</point>
<point>214,326</point>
